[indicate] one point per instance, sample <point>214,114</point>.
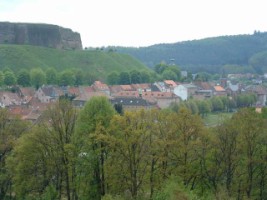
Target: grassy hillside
<point>210,54</point>
<point>97,63</point>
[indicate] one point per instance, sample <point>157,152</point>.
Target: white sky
<point>141,22</point>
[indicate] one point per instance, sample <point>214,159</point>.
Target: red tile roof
<point>87,89</point>
<point>74,91</point>
<point>126,87</point>
<point>100,86</point>
<point>170,83</point>
<point>142,86</point>
<point>115,88</point>
<point>219,88</point>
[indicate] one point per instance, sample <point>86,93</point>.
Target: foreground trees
<point>44,157</point>
<point>11,129</point>
<point>145,154</point>
<point>236,163</point>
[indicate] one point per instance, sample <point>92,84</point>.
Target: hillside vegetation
<point>209,54</point>
<point>98,63</point>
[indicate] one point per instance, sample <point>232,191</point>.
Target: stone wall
<point>46,35</point>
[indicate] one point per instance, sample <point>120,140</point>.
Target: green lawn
<point>213,119</point>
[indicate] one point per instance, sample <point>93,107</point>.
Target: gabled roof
<point>115,88</point>
<point>170,83</point>
<point>259,89</point>
<point>219,88</point>
<point>154,88</point>
<point>9,98</point>
<point>27,91</point>
<point>204,85</point>
<point>98,85</point>
<point>233,88</point>
<point>48,91</point>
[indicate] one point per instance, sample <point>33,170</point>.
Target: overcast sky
<point>141,22</point>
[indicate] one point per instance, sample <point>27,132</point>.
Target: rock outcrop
<point>46,35</point>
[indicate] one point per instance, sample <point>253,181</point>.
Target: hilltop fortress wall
<point>45,35</point>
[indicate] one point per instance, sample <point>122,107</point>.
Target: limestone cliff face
<point>39,35</point>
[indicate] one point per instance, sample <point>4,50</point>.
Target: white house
<point>181,91</point>
<point>185,91</point>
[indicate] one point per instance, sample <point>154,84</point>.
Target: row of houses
<point>30,103</point>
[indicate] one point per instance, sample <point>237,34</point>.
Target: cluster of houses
<point>29,103</point>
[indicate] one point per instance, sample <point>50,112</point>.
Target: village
<point>29,104</point>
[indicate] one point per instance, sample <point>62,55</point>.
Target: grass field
<point>97,63</point>
<point>213,119</point>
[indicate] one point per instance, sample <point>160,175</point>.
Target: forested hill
<point>210,54</point>
<point>97,63</point>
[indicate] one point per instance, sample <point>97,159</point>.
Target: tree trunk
<point>102,160</point>
<point>153,162</point>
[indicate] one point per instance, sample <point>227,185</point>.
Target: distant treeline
<point>231,54</point>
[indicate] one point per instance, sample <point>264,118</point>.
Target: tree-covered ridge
<point>208,54</point>
<point>96,63</point>
<point>96,153</point>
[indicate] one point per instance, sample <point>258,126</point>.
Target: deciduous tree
<point>24,78</point>
<point>37,77</point>
<point>94,120</point>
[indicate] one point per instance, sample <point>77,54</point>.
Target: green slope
<point>97,63</point>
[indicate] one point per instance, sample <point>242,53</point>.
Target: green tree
<point>93,120</point>
<point>132,146</point>
<point>124,78</point>
<point>245,100</point>
<point>250,125</point>
<point>37,77</point>
<point>203,76</point>
<point>45,156</point>
<point>11,129</point>
<point>24,78</point>
<point>89,78</point>
<point>2,78</point>
<point>66,78</point>
<point>169,75</point>
<point>217,104</point>
<point>10,78</point>
<point>176,70</point>
<point>113,78</point>
<point>192,106</point>
<point>145,77</point>
<point>227,153</point>
<point>135,77</point>
<point>188,129</point>
<point>160,68</point>
<point>51,76</point>
<point>203,107</point>
<point>79,77</point>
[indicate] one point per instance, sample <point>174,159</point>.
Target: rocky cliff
<point>46,35</point>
